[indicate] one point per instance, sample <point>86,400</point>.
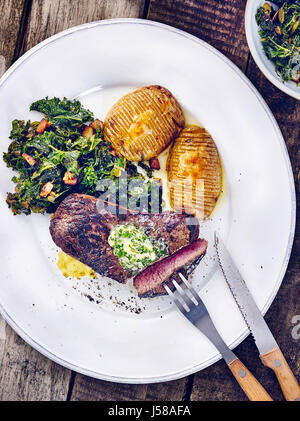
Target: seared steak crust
<point>81,229</point>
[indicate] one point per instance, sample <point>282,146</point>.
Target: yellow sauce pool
<point>71,267</point>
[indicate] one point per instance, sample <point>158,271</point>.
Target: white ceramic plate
<point>256,213</point>
<point>255,45</point>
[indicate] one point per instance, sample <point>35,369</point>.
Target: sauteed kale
<point>64,153</point>
<point>280,35</point>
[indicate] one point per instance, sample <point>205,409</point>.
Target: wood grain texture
<point>49,17</point>
<point>277,362</point>
<point>25,374</point>
<point>86,389</point>
<point>11,16</point>
<point>220,23</point>
<point>250,385</point>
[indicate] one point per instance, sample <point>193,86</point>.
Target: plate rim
<point>183,373</point>
<point>260,63</point>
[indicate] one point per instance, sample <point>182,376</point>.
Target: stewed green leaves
<point>280,35</point>
<point>62,154</point>
<point>63,113</point>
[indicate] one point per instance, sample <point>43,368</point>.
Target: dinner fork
<point>192,307</point>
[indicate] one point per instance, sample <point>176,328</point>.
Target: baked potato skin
<point>194,172</point>
<point>143,123</point>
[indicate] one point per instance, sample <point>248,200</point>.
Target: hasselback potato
<point>143,123</point>
<point>194,172</point>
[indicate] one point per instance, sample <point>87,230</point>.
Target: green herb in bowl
<point>279,24</point>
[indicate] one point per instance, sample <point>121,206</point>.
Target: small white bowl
<point>262,61</point>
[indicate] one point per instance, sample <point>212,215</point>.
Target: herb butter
<point>133,247</point>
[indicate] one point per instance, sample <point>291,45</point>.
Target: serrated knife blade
<point>270,353</point>
<point>263,337</point>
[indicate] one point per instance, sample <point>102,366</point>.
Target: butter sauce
<point>71,267</point>
<point>133,247</point>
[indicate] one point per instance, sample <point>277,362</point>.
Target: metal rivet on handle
<point>242,373</point>
<point>277,363</point>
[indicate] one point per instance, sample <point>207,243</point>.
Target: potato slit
<point>194,156</point>
<point>143,123</point>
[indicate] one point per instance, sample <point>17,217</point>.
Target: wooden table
<point>27,375</point>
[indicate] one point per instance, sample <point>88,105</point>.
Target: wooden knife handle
<point>289,385</point>
<point>248,382</point>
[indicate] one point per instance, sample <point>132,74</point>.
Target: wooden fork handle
<point>288,383</point>
<point>252,388</point>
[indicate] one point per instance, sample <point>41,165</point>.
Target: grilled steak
<point>81,229</point>
<point>160,271</point>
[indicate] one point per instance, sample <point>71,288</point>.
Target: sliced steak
<point>155,275</point>
<point>80,227</point>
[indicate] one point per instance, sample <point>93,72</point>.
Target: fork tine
<point>176,301</point>
<point>189,286</point>
<point>184,295</point>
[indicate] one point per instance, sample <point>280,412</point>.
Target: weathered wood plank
<point>50,17</point>
<point>11,16</point>
<point>86,389</point>
<point>220,23</point>
<point>25,374</point>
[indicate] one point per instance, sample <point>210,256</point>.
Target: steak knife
<point>270,353</point>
